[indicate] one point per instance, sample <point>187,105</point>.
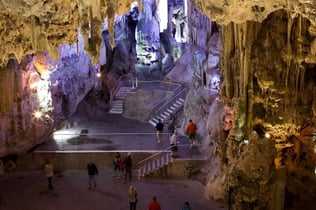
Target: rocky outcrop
<point>30,26</point>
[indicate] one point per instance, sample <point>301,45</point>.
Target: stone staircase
<point>175,105</point>
<point>117,103</point>
<point>154,163</point>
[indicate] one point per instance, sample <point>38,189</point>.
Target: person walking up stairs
<point>159,129</point>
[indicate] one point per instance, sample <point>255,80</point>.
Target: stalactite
<point>7,84</point>
<point>228,38</point>
<point>288,47</point>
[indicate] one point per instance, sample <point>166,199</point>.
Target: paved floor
<point>28,191</point>
<point>113,132</point>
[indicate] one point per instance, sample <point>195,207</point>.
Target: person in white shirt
<point>173,144</point>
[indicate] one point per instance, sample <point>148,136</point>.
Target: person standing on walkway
<point>132,197</point>
<point>92,172</point>
<point>173,144</point>
<point>191,132</point>
<point>171,126</point>
<point>49,173</point>
<point>154,204</point>
<point>128,167</point>
<point>117,162</point>
<point>159,129</point>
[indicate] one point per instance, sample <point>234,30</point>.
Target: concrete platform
<point>111,134</point>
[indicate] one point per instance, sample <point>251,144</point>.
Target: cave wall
<point>269,85</point>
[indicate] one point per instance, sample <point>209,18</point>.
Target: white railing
<point>154,162</point>
<point>121,81</point>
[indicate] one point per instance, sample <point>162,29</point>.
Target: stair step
<point>116,108</point>
<point>173,108</point>
<point>117,102</point>
<point>167,113</point>
<point>178,103</point>
<point>164,116</point>
<point>152,122</point>
<point>115,112</point>
<point>181,99</point>
<point>169,110</point>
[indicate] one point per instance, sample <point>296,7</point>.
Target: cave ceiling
<point>29,26</point>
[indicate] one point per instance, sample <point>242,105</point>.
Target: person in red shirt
<point>191,132</point>
<point>154,204</point>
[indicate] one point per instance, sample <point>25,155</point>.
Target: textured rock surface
<point>29,26</point>
<point>226,11</point>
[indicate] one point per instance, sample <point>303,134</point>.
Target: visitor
<point>171,126</point>
<point>92,172</point>
<point>49,173</point>
<point>159,129</point>
<point>154,204</point>
<point>186,206</point>
<point>117,162</point>
<point>132,197</point>
<point>128,167</point>
<point>173,144</point>
<point>191,132</point>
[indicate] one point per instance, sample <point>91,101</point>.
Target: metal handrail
<point>166,103</point>
<point>166,98</point>
<point>114,90</point>
<point>116,87</point>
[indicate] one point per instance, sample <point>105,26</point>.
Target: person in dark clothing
<point>49,172</point>
<point>92,172</point>
<point>159,129</point>
<point>128,167</point>
<point>118,166</point>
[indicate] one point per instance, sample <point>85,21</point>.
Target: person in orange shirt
<point>191,132</point>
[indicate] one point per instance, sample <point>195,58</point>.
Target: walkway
<point>114,133</point>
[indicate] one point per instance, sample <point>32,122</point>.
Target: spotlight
<point>267,135</point>
<point>98,74</point>
<point>33,86</point>
<point>38,114</point>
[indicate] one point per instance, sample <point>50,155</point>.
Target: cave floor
<point>113,132</point>
<point>27,190</point>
